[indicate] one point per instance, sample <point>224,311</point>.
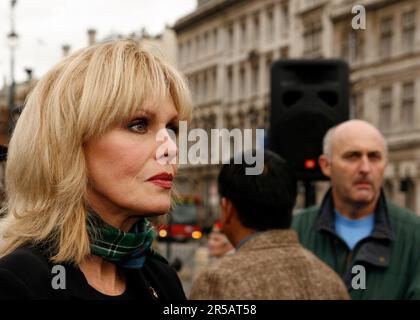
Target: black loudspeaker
<point>307,98</point>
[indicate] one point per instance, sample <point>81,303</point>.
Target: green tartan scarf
<point>127,249</point>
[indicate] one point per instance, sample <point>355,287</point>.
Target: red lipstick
<point>163,180</point>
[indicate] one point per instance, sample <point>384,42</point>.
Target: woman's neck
<point>103,276</point>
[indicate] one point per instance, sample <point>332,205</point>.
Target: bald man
<point>372,243</point>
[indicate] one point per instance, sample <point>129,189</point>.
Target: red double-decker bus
<point>183,220</point>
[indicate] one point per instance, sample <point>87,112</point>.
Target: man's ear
<point>325,165</point>
<point>228,210</point>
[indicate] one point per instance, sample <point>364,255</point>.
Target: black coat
<point>27,273</point>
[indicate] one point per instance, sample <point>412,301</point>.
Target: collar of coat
<point>375,249</point>
<point>272,238</point>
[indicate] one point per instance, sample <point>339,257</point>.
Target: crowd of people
<point>84,179</point>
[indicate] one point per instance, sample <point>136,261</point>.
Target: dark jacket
<point>27,273</point>
<point>390,255</point>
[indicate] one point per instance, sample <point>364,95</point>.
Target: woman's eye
<point>139,125</point>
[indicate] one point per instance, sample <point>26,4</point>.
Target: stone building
<point>226,48</point>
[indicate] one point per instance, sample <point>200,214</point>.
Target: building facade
<point>226,48</point>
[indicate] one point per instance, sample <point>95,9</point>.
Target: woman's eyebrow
<point>174,118</point>
<point>145,111</point>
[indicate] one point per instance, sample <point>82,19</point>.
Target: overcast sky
<point>44,26</point>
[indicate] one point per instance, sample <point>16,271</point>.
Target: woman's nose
<point>167,150</point>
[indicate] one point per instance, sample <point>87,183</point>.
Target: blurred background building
<point>226,48</point>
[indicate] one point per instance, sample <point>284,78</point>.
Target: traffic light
<point>307,98</point>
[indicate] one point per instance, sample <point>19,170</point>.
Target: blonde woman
<point>83,174</point>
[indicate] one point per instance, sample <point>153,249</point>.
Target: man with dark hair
<point>256,213</point>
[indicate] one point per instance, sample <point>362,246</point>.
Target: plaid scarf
<point>127,249</point>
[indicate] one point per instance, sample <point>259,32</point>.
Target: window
<point>407,105</point>
<point>312,37</point>
<point>385,46</point>
<point>181,54</point>
<point>205,43</point>
<point>199,89</point>
<point>284,52</point>
<point>389,189</point>
<point>385,109</point>
<point>243,38</point>
<point>409,30</point>
<point>410,194</point>
<point>253,120</point>
<point>270,25</point>
<point>230,39</point>
<point>196,88</point>
<point>188,53</point>
<point>356,46</point>
<point>197,52</point>
<point>269,61</point>
<point>254,80</point>
<point>215,34</point>
<point>205,87</point>
<point>284,19</point>
<point>213,84</point>
<point>344,48</point>
<point>255,31</point>
<point>229,87</point>
<point>242,84</point>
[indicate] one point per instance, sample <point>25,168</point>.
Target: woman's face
<point>127,177</point>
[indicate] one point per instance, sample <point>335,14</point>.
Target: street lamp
<point>12,41</point>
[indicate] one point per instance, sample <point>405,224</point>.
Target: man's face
<point>357,165</point>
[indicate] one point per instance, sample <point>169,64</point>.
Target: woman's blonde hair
<point>79,99</point>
